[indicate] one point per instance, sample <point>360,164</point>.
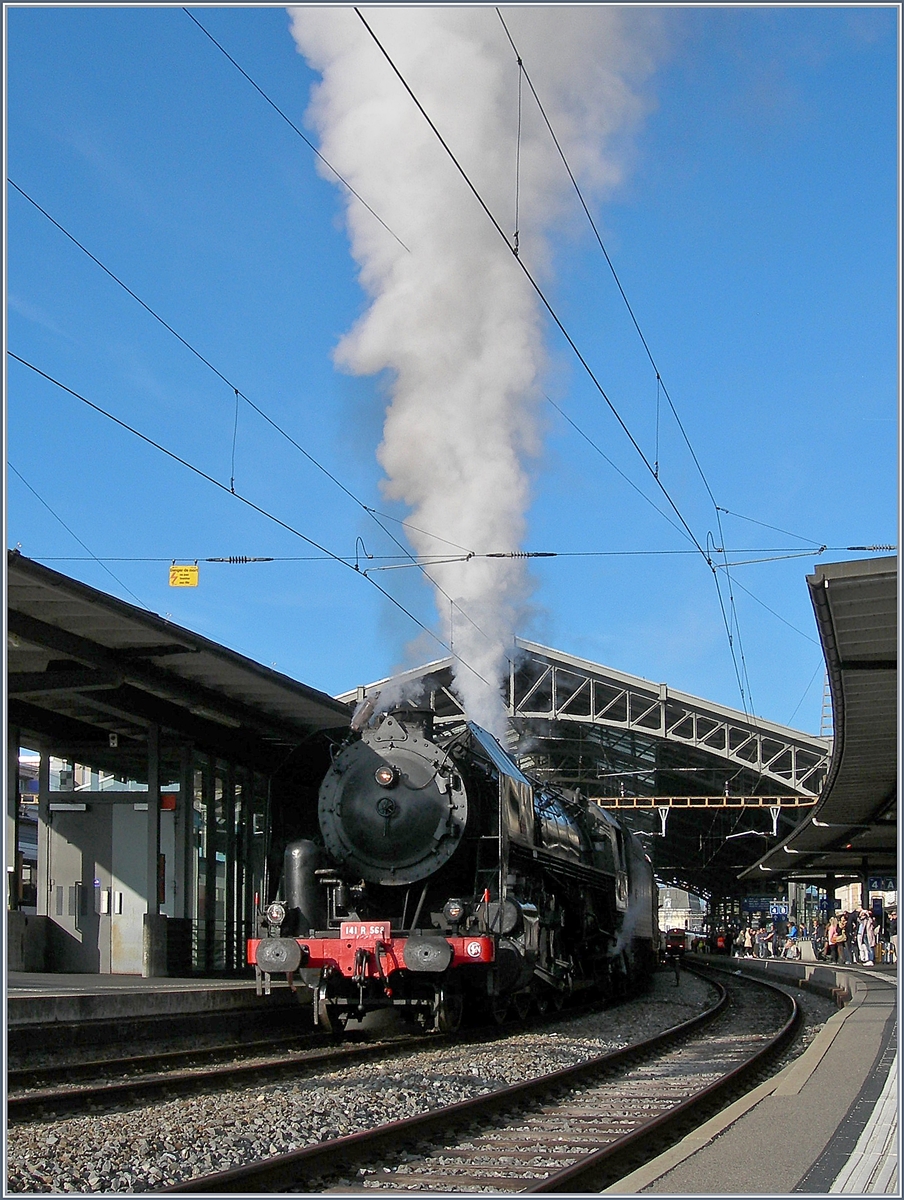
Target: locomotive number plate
<point>365,929</point>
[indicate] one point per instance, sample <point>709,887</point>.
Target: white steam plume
<point>452,319</point>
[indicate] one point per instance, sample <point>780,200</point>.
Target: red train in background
<point>674,943</point>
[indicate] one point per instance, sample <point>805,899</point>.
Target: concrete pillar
<point>864,886</point>
<point>154,949</point>
<point>12,817</point>
<point>184,832</point>
<point>153,901</point>
<point>153,959</point>
<point>45,883</point>
<point>830,895</point>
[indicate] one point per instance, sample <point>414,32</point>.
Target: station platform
<point>34,998</point>
<point>826,1123</point>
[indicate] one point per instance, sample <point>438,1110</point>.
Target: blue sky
<point>754,233</point>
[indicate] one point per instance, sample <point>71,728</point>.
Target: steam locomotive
<point>444,881</point>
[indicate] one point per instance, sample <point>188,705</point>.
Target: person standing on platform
<point>860,937</point>
<point>833,941</point>
<point>818,938</point>
<point>893,933</point>
<point>845,942</point>
<point>762,942</point>
<point>862,942</point>
<point>872,936</point>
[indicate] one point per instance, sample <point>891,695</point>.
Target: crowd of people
<point>852,938</point>
<point>855,938</point>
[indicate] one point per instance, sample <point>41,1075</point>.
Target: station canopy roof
<point>705,785</point>
<point>83,666</point>
<point>852,830</point>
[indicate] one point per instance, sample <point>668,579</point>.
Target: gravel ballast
<point>130,1148</point>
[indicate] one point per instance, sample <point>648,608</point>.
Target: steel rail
<point>36,1103</point>
<point>284,1171</point>
<point>33,1076</point>
<point>595,1171</point>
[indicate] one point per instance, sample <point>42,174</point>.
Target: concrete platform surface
<point>34,998</point>
<point>40,983</point>
<point>827,1122</point>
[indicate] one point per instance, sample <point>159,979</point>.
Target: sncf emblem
<point>473,949</point>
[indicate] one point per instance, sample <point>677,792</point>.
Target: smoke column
<point>452,319</point>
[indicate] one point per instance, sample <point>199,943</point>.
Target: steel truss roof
<point>549,687</point>
<point>561,688</point>
<point>628,742</point>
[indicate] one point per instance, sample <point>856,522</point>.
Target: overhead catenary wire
<point>294,127</point>
<point>611,265</point>
<point>373,513</point>
<point>774,528</point>
<point>763,604</point>
<point>656,469</point>
<point>245,500</point>
<point>819,666</point>
<point>428,560</point>
<point>370,510</point>
<point>93,556</point>
<point>660,385</point>
<point>517,235</point>
<point>726,566</point>
<point>235,434</point>
<point>729,622</point>
<point>590,442</point>
<point>569,339</point>
<point>533,283</point>
<point>424,561</point>
<point>188,346</point>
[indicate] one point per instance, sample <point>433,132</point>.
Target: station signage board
<point>883,883</point>
<point>758,903</point>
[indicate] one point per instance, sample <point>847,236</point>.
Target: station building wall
<point>89,903</point>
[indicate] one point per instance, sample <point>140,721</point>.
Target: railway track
<point>54,1091</point>
<point>138,1077</point>
<point>44,1074</point>
<point>577,1129</point>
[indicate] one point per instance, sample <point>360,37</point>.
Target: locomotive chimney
<point>419,720</point>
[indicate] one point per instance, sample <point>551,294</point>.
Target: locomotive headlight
<point>276,913</point>
<point>453,911</point>
<point>386,776</point>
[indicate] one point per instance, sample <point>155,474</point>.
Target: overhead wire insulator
<point>239,558</point>
<point>522,554</point>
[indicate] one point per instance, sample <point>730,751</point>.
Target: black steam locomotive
<point>445,881</point>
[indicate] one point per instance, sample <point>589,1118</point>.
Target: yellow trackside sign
<point>183,576</point>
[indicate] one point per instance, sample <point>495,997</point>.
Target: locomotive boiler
<point>445,881</point>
